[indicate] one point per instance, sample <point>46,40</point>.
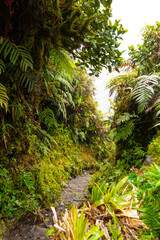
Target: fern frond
<point>64,82</point>
<point>62,60</point>
<point>26,79</point>
<point>144,90</point>
<point>16,53</point>
<point>157,104</point>
<point>62,109</point>
<point>69,98</point>
<point>2,66</point>
<point>3,97</point>
<point>125,117</point>
<point>60,79</point>
<point>26,59</point>
<point>125,131</point>
<point>48,117</point>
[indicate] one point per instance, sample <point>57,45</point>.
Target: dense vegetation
<point>50,128</point>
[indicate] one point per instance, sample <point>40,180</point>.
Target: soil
<point>26,229</point>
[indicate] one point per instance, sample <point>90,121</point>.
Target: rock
<point>148,160</point>
<point>24,230</point>
<point>61,204</point>
<point>39,232</point>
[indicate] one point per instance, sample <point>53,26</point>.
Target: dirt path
<point>30,231</point>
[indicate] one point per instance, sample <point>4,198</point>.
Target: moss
<point>38,173</point>
<point>2,229</point>
<point>154,149</point>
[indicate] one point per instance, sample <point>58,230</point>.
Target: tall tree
<point>81,27</point>
<point>145,57</point>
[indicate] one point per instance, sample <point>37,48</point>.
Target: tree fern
<point>3,97</point>
<point>145,90</point>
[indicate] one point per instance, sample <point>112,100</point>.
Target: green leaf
<point>3,97</point>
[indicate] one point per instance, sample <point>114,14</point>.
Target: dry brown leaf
<point>59,228</point>
<point>131,213</point>
<point>104,229</point>
<point>55,219</point>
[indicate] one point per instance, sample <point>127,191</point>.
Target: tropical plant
<point>136,104</point>
<point>145,57</point>
<point>146,92</point>
<point>116,233</point>
<point>112,197</point>
<point>89,29</point>
<point>15,54</point>
<point>48,117</point>
<point>77,228</point>
<point>125,126</point>
<point>147,187</point>
<point>3,97</point>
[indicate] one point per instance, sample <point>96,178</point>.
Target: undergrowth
<point>37,173</point>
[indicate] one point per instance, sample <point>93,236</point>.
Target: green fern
<point>62,109</point>
<point>125,117</point>
<point>3,97</point>
<point>70,99</point>
<point>116,233</point>
<point>2,66</point>
<point>58,77</point>
<point>151,217</point>
<point>64,82</point>
<point>15,54</point>
<point>145,90</point>
<point>157,107</point>
<point>125,131</point>
<point>48,117</point>
<point>63,61</point>
<point>26,79</point>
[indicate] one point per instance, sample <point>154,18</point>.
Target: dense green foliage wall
<point>136,106</point>
<point>49,122</point>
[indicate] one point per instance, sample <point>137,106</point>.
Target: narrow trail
<point>30,231</point>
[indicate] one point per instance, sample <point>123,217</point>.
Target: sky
<point>134,16</point>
